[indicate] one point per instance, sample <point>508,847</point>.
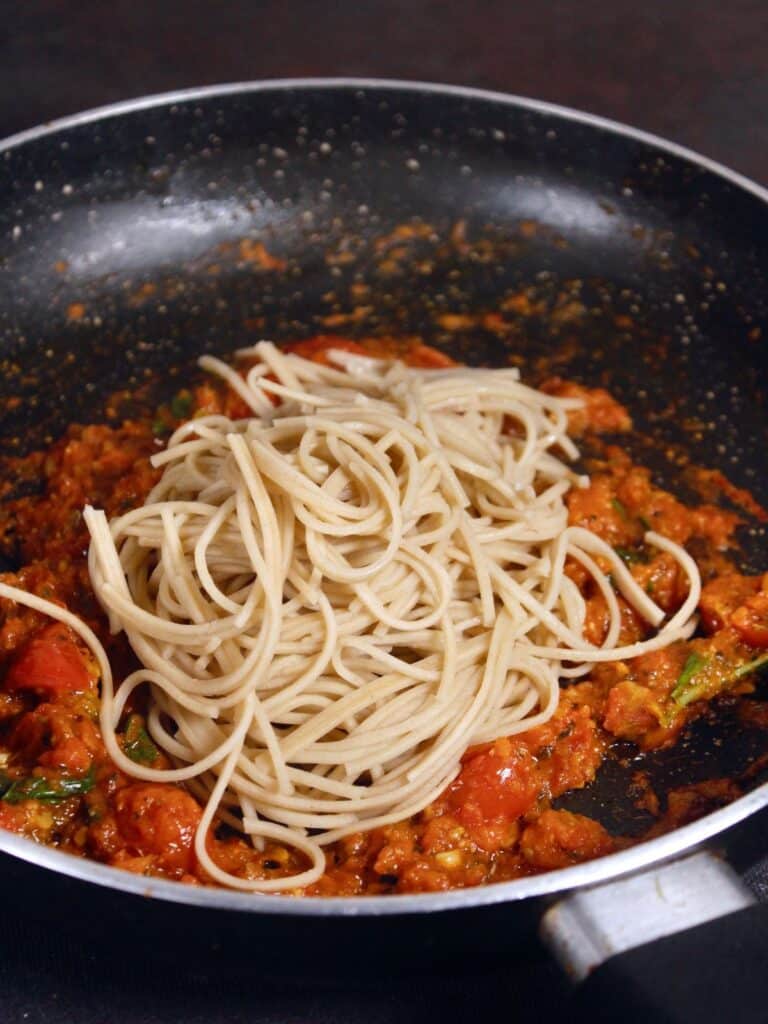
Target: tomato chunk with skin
<point>51,663</point>
<point>419,356</point>
<point>58,734</point>
<point>155,818</point>
<point>496,784</point>
<point>751,620</point>
<point>424,357</point>
<point>317,348</point>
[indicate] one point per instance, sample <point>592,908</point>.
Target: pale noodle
<point>336,597</point>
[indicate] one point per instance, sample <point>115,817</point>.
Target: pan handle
<point>681,942</point>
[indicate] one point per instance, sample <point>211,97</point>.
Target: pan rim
<point>591,873</point>
<point>153,100</point>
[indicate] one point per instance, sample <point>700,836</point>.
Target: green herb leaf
<point>688,690</point>
<point>631,555</point>
<point>137,743</point>
<point>620,508</point>
<point>644,523</point>
<point>749,666</point>
<point>49,791</point>
<point>683,692</point>
<point>160,428</point>
<point>181,405</point>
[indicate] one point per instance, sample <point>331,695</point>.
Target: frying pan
<point>136,237</point>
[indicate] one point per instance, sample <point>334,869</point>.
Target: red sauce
<point>495,821</point>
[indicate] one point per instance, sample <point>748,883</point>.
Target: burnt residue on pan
<point>719,757</point>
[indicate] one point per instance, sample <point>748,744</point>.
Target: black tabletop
<point>694,72</point>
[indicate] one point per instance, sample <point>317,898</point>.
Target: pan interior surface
<point>498,231</point>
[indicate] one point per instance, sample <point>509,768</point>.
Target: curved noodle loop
<point>334,598</point>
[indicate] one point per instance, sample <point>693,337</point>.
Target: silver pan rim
<point>591,873</point>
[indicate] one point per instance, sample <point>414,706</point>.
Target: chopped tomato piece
<point>575,755</point>
<point>59,734</point>
<point>317,348</point>
<point>721,597</point>
<point>51,663</point>
<point>159,819</point>
<point>632,711</point>
<point>600,412</point>
<point>658,509</point>
<point>499,783</point>
<point>424,357</point>
<point>663,579</point>
<point>208,399</point>
<point>558,839</point>
<point>751,620</point>
<point>660,670</point>
<point>13,817</point>
<point>397,852</point>
<point>596,508</point>
<point>421,356</point>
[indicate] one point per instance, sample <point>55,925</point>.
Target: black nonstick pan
<point>134,238</point>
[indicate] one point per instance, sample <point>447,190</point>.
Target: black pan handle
<point>716,973</point>
<point>677,943</point>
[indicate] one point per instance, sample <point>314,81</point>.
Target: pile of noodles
<point>335,597</point>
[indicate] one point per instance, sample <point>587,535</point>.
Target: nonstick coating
<point>135,238</point>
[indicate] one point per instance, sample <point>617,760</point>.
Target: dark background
<point>694,72</point>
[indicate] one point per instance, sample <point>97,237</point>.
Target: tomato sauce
<point>497,819</point>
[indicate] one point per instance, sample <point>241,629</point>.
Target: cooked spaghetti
<point>333,598</point>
